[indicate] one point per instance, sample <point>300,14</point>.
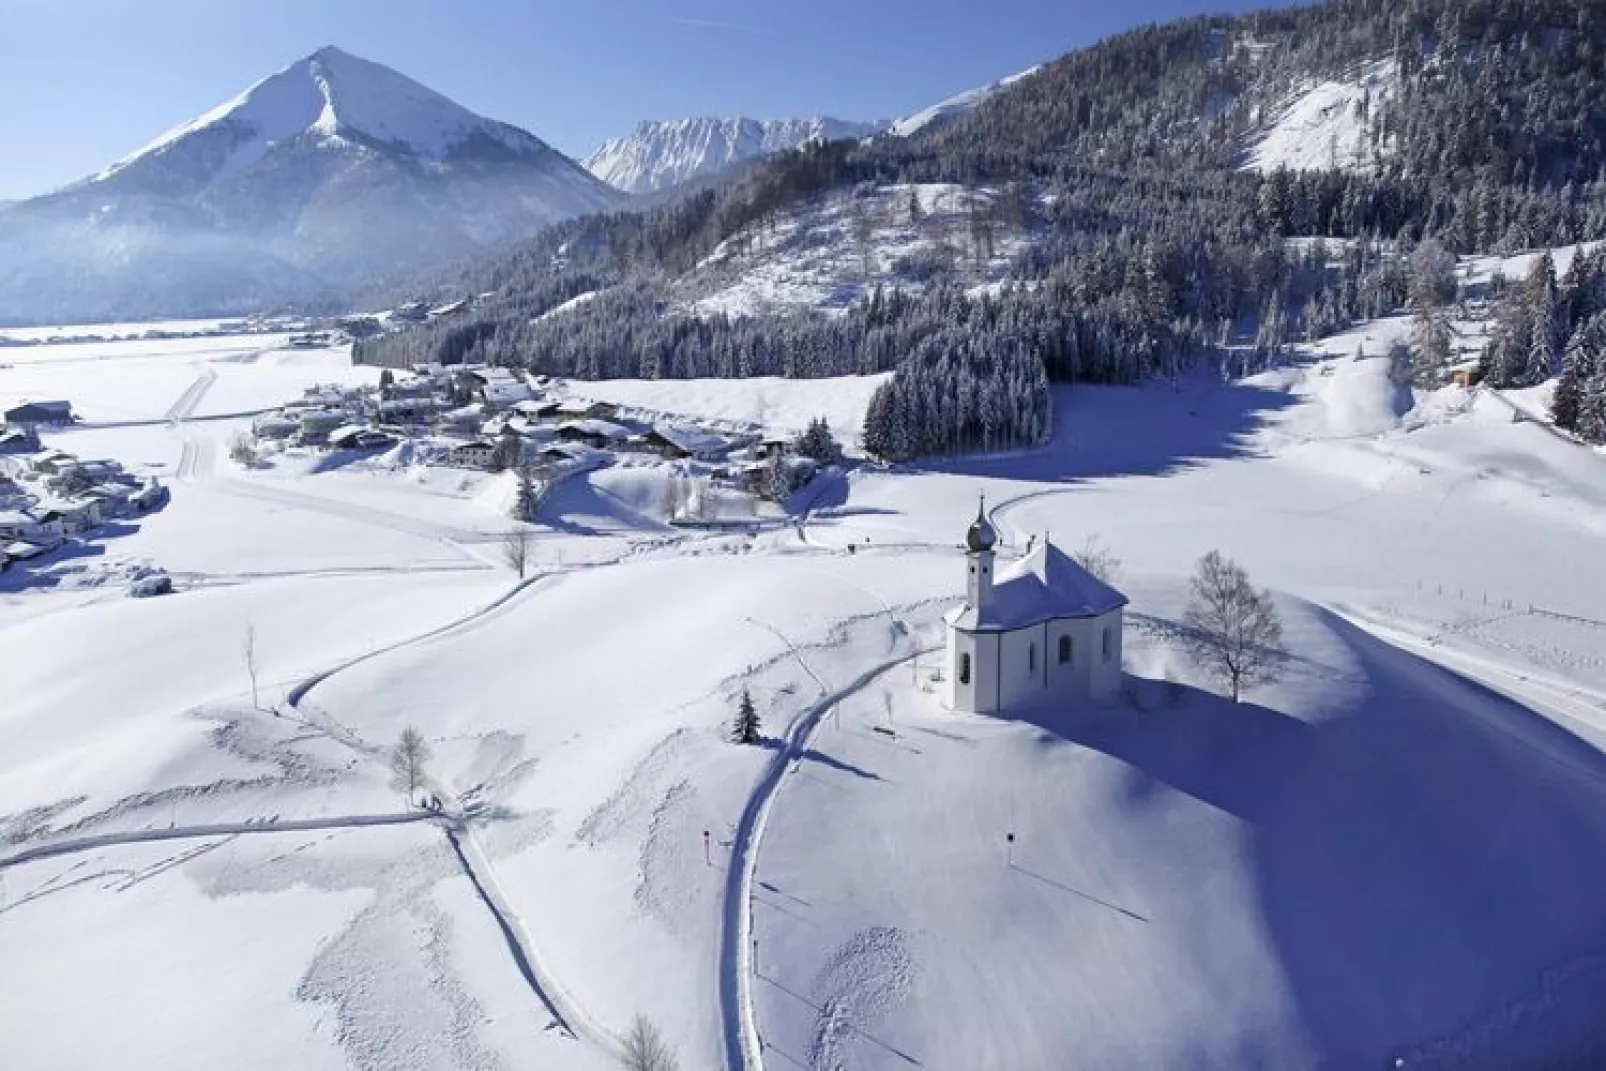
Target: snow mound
<point>1329,125</point>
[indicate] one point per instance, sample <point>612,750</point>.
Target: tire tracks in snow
<point>744,1046</point>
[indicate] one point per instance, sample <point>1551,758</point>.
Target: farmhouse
<point>1045,627</point>
<point>472,455</point>
<point>580,409</point>
<point>30,414</point>
<point>677,441</point>
<point>597,433</point>
<point>359,437</point>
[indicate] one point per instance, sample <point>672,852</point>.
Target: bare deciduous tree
<point>1098,559</point>
<point>1234,629</point>
<point>248,650</point>
<point>518,547</point>
<point>243,450</point>
<point>407,761</point>
<point>646,1049</point>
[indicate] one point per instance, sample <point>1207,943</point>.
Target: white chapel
<point>1046,626</point>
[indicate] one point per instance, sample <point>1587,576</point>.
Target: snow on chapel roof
<point>1046,584</point>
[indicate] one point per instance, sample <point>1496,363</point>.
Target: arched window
<point>1109,642</point>
<point>1065,650</point>
<point>964,669</point>
<point>1031,658</point>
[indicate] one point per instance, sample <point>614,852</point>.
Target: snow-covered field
<point>1393,853</point>
<point>777,406</point>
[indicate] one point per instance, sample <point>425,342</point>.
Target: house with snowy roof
<point>1044,627</point>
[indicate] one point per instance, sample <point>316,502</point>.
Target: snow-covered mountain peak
<point>333,94</point>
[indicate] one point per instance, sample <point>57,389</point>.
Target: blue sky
<point>83,82</point>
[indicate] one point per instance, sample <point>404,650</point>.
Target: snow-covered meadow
<point>1390,854</point>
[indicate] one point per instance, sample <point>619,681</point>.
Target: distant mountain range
<point>659,154</point>
<point>333,172</point>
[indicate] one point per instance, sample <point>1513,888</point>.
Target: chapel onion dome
<point>982,536</point>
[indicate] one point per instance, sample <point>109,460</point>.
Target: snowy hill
<point>331,172</point>
<point>827,254</point>
<point>1332,124</point>
<point>944,112</point>
<point>1391,853</point>
<point>659,154</point>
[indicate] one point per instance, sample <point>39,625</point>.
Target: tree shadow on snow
<point>1430,861</point>
<point>1150,430</point>
<point>829,761</point>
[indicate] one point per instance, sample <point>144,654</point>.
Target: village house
<point>597,433</point>
<point>579,409</point>
<point>451,308</point>
<point>771,446</point>
<point>405,410</point>
<point>20,550</point>
<point>76,515</point>
<point>15,523</point>
<point>316,424</point>
<point>113,498</point>
<point>359,437</point>
<point>536,409</point>
<point>19,441</point>
<point>275,426</point>
<point>1044,627</point>
<point>472,455</point>
<point>677,441</point>
<point>467,418</point>
<point>48,462</point>
<point>33,414</point>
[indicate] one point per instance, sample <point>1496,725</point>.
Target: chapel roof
<point>1044,585</point>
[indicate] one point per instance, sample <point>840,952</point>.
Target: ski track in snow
<point>744,1045</point>
<point>221,829</point>
<point>567,1016</point>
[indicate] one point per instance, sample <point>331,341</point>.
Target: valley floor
<point>1391,854</point>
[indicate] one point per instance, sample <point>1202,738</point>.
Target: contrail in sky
<point>714,24</point>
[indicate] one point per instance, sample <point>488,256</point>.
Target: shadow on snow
<point>1152,430</point>
<point>1430,861</point>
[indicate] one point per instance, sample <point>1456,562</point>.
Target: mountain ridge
<point>659,154</point>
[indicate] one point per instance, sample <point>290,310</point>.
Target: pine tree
<point>1579,404</point>
<point>818,443</point>
<point>528,498</point>
<point>745,729</point>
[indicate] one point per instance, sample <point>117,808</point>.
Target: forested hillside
<point>1149,243</point>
